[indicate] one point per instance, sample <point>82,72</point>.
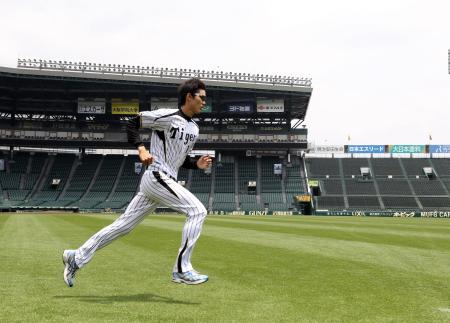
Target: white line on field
<point>444,310</point>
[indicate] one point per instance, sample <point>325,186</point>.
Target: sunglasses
<point>202,97</point>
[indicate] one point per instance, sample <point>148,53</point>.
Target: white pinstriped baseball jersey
<point>174,135</point>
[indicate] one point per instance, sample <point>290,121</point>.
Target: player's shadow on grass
<point>128,298</point>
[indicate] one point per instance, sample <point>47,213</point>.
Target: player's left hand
<point>204,162</point>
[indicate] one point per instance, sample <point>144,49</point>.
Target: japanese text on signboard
<point>369,149</point>
<point>407,149</point>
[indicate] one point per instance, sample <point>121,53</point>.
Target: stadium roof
<point>159,75</point>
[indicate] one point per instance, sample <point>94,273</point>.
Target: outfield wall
<point>401,214</point>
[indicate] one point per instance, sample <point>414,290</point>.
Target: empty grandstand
<point>381,183</point>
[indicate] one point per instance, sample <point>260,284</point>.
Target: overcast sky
<point>379,68</point>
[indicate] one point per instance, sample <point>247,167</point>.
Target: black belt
<point>165,174</point>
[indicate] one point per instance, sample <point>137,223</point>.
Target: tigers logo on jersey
<point>186,137</point>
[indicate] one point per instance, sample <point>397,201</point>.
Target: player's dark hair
<point>192,86</point>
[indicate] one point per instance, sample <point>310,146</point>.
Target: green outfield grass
<point>271,269</point>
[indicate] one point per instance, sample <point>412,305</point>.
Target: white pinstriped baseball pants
<point>155,188</point>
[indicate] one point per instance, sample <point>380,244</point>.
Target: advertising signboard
<point>238,107</point>
<point>407,149</point>
<point>439,149</point>
<point>277,169</point>
<point>365,149</point>
<point>95,106</point>
<point>326,149</point>
<point>270,106</point>
<point>137,167</point>
<point>127,107</point>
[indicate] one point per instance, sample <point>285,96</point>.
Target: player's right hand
<point>144,156</point>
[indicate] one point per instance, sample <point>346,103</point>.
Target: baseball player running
<point>174,135</point>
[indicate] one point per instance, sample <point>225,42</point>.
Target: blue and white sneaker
<point>70,268</point>
<point>190,277</point>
